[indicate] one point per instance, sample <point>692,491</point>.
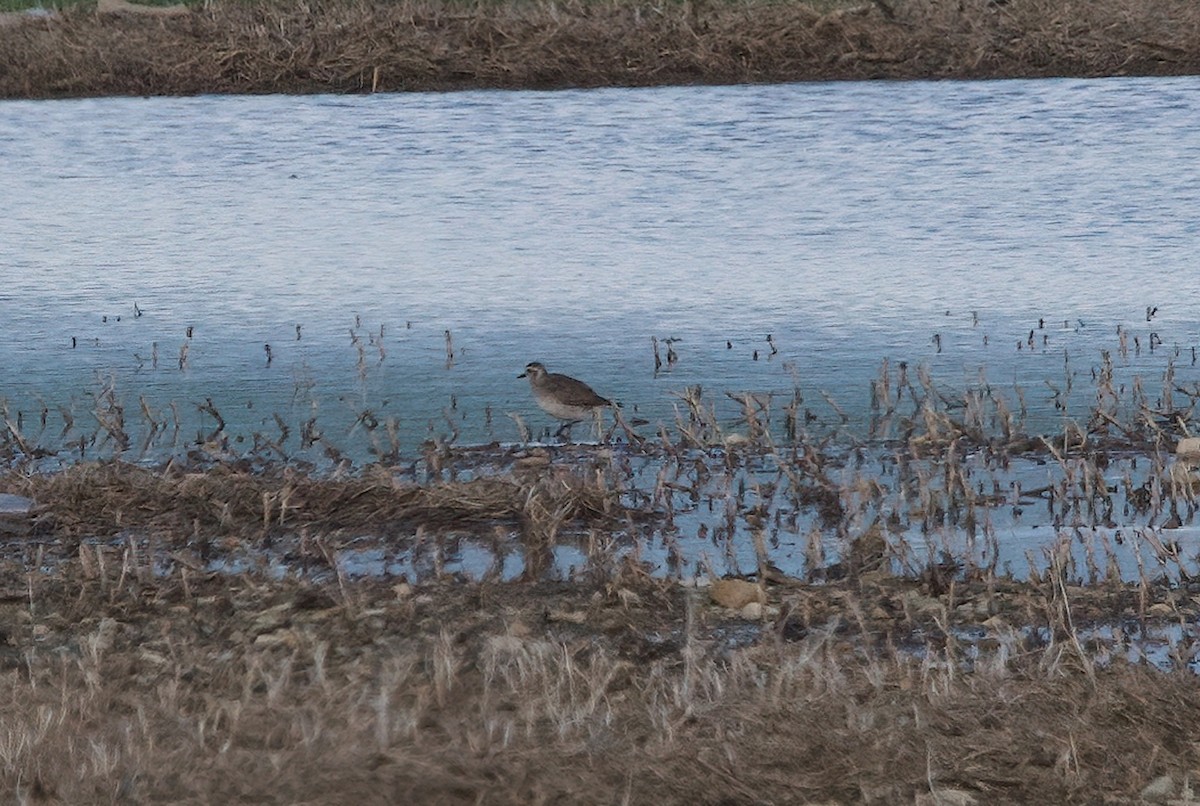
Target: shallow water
<point>404,256</point>
<point>932,223</point>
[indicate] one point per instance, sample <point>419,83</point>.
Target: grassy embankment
<point>361,46</point>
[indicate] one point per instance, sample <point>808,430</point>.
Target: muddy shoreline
<point>362,47</point>
<point>132,671</point>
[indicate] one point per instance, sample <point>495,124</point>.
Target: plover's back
<point>562,396</point>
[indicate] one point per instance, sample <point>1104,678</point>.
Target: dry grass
<point>107,497</point>
<point>238,690</point>
<point>361,46</point>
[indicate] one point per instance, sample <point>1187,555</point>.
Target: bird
<point>562,396</point>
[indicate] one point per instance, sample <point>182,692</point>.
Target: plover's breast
<point>555,407</point>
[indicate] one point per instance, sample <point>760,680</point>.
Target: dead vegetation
<point>358,46</point>
<point>104,498</point>
<point>140,687</point>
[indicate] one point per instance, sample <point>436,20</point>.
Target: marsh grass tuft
<point>105,498</point>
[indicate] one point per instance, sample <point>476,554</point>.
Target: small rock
<point>1158,790</point>
<point>753,611</point>
<point>1188,450</point>
<point>736,593</point>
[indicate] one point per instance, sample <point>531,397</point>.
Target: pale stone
<point>1158,790</point>
<point>736,593</point>
<point>1189,449</point>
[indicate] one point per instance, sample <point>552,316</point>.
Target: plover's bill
<point>562,396</point>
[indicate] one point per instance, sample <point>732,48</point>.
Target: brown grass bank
<point>368,45</point>
<point>130,687</point>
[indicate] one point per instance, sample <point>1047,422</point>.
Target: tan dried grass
<point>363,46</point>
<point>106,497</point>
<point>273,693</point>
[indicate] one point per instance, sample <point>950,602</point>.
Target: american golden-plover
<point>562,396</point>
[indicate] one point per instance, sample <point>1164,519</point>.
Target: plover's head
<point>534,371</point>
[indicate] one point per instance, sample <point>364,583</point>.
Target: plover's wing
<point>572,392</point>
